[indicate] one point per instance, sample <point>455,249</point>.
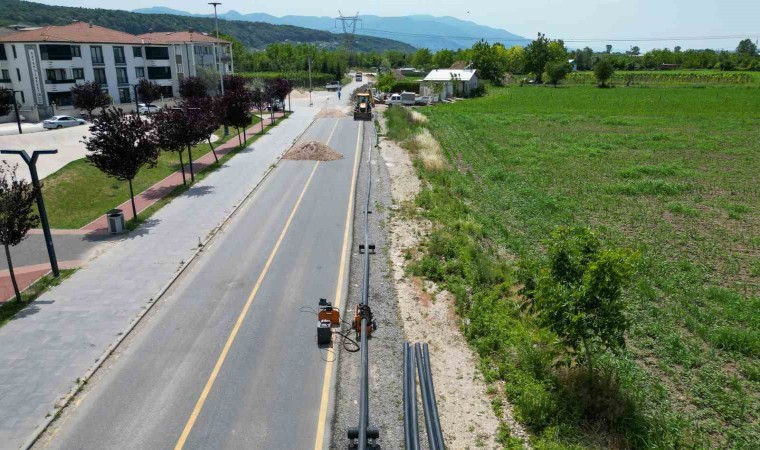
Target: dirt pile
<point>329,113</point>
<point>312,151</point>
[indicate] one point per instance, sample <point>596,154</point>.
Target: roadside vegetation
<point>666,179</point>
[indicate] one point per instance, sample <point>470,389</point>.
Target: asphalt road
<point>228,359</point>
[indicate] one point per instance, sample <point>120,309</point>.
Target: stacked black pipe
<point>421,354</point>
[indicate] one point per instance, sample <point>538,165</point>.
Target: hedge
<point>299,79</point>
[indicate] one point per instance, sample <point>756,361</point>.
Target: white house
<point>445,83</point>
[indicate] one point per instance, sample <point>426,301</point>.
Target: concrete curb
<point>64,402</point>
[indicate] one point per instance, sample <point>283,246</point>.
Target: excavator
<point>364,104</point>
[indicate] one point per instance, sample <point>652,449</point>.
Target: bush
<point>603,71</point>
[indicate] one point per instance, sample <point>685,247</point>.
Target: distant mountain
<point>252,35</point>
<point>428,31</point>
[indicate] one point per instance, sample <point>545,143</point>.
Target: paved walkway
<point>55,341</point>
<point>161,189</point>
<point>30,258</point>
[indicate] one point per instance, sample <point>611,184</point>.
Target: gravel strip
<point>385,351</point>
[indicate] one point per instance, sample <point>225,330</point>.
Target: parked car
<point>276,105</point>
<point>146,108</point>
<point>408,98</point>
<point>393,100</point>
<point>423,100</point>
<point>333,86</point>
<point>62,122</point>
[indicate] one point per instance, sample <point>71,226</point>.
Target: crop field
<point>687,77</point>
<point>670,172</point>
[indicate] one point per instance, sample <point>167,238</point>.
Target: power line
<point>512,39</point>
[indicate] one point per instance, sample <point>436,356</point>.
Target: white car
<point>62,122</point>
<point>394,100</point>
<point>146,108</point>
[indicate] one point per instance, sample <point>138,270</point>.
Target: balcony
<point>59,81</point>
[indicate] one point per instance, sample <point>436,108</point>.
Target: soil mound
<point>332,114</point>
<point>313,151</point>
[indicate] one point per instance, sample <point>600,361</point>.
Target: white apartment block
<point>42,64</point>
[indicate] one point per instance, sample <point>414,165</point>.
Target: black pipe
<point>431,395</point>
<point>426,406</point>
<point>414,426</point>
<point>407,401</point>
<point>364,383</point>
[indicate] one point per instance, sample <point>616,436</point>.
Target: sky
<point>580,19</point>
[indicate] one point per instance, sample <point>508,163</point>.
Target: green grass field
<point>669,171</point>
<point>79,193</point>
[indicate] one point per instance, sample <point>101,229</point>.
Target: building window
<point>140,72</point>
<point>97,54</point>
<point>118,55</point>
<point>100,76</point>
<point>18,74</point>
<point>156,52</point>
<point>60,98</point>
<point>56,76</point>
<point>23,99</point>
<point>137,52</point>
<point>159,73</point>
<point>121,75</point>
<point>6,77</point>
<point>13,47</point>
<point>3,56</point>
<point>78,74</point>
<point>124,95</point>
<point>76,51</point>
<point>53,52</point>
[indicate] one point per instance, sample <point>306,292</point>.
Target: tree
<point>193,87</point>
<point>210,77</point>
<point>609,48</point>
<point>120,145</point>
<point>443,59</point>
<point>603,71</point>
<point>635,50</point>
<point>487,61</point>
<point>557,71</point>
<point>259,101</point>
<point>148,91</point>
<point>386,81</point>
<point>235,110</point>
<point>89,96</point>
<point>208,122</point>
<point>578,293</point>
<point>422,58</point>
<point>515,59</point>
<point>537,55</point>
<point>6,101</point>
<point>174,132</point>
<point>234,83</point>
<point>746,48</point>
<point>17,214</point>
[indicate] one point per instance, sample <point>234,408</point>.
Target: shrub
<point>603,71</point>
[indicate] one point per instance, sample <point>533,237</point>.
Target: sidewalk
<point>29,272</point>
<point>60,338</point>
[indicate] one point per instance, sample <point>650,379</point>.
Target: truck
<point>408,98</point>
<point>358,76</point>
<point>333,86</point>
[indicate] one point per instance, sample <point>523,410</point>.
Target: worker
<point>338,94</point>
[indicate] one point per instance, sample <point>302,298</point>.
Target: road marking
<point>241,317</point>
<point>319,442</point>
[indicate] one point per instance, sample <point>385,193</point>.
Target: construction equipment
<point>327,319</point>
<point>364,104</point>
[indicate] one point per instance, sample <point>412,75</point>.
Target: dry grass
<point>429,150</point>
<point>419,117</point>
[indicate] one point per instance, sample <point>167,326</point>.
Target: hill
<point>253,35</point>
<point>427,31</point>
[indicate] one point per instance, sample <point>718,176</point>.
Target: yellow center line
<point>241,317</point>
<point>319,441</point>
<point>214,373</point>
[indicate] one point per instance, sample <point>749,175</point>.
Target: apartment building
<point>42,64</point>
<point>192,52</point>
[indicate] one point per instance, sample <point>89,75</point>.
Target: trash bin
<point>116,221</point>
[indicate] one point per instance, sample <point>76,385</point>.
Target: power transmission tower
<point>349,29</point>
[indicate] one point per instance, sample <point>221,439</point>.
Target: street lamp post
<point>32,163</point>
<point>18,116</point>
<point>137,105</point>
<point>218,58</point>
<point>310,102</point>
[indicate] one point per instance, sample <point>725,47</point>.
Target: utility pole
<point>218,58</point>
<point>32,163</point>
<point>310,102</point>
<point>349,31</point>
<point>137,105</point>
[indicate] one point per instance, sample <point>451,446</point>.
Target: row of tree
<point>121,144</point>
